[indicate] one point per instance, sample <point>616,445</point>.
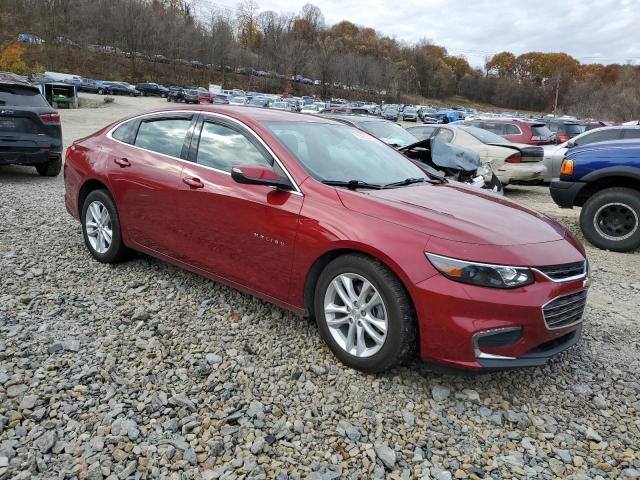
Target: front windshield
<point>390,133</point>
<point>485,136</point>
<point>343,153</point>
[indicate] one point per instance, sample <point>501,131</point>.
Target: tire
<point>610,219</point>
<point>132,94</point>
<point>162,95</point>
<point>401,339</point>
<point>169,99</point>
<point>116,250</point>
<point>50,169</point>
<point>144,94</point>
<point>101,91</point>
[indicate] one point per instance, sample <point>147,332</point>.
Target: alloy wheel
<point>615,221</point>
<point>98,226</point>
<point>356,315</point>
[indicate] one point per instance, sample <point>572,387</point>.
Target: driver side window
<point>222,147</point>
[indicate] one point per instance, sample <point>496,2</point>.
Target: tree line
<point>301,43</point>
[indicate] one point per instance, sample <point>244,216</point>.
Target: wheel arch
<point>602,183</point>
<point>88,187</point>
<point>313,274</point>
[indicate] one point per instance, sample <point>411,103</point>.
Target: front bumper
<point>453,316</point>
<point>565,193</point>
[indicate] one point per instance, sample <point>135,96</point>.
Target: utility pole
<point>555,102</point>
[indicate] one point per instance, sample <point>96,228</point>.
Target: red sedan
<point>323,219</point>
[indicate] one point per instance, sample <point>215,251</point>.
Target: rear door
<point>144,163</point>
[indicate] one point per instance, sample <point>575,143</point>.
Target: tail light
<point>515,158</point>
<point>567,167</point>
<point>563,138</point>
<point>51,118</point>
<point>536,138</point>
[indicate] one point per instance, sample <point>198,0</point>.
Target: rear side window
<point>497,128</point>
<point>541,131</point>
<point>510,129</point>
<point>16,96</point>
<point>221,147</point>
<point>163,135</point>
<point>601,136</point>
<point>126,132</point>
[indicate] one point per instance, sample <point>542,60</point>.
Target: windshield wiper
<point>411,181</point>
<point>352,184</point>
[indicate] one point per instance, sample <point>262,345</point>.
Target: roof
<point>246,114</point>
<point>8,77</point>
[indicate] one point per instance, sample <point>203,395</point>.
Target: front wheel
<point>100,91</point>
<point>364,314</point>
<point>610,219</point>
<point>101,228</point>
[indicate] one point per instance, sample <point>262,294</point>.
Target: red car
<point>517,131</point>
<point>323,219</point>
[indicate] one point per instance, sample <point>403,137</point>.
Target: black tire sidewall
<point>371,270</point>
<point>116,249</point>
<point>50,169</point>
<point>626,196</point>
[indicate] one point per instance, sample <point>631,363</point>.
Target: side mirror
<point>571,144</point>
<point>257,175</point>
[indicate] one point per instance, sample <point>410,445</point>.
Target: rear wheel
<point>364,314</point>
<point>610,219</point>
<point>101,228</point>
<point>50,169</point>
<point>101,91</point>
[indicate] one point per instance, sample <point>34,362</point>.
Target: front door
<point>245,233</point>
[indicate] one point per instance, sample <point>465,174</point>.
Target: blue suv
<point>604,179</point>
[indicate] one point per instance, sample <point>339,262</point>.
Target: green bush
<point>108,99</point>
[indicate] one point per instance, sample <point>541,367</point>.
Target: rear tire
<point>610,219</point>
<point>50,169</point>
<point>100,91</point>
<point>99,216</point>
<point>392,319</point>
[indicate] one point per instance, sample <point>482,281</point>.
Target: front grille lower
<point>563,272</point>
<point>565,311</point>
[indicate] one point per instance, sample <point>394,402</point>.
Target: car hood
<point>455,212</point>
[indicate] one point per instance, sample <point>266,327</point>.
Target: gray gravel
<point>142,370</point>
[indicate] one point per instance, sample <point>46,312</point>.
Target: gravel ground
<point>142,370</point>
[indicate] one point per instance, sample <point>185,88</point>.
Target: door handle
<point>193,182</point>
<point>123,162</point>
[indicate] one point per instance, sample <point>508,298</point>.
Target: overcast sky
<point>603,31</point>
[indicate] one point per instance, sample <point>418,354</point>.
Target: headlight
<point>495,276</point>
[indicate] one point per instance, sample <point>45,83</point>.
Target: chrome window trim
<point>585,273</point>
<point>109,135</point>
<point>483,333</point>
<point>580,320</point>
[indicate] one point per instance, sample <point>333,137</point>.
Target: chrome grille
<point>565,311</point>
<point>564,272</point>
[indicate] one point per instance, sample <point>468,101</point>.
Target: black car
<point>115,88</point>
<point>89,86</point>
<point>30,132</point>
<point>152,89</point>
<point>565,129</point>
<point>186,95</point>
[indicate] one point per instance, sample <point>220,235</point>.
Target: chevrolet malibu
<point>325,220</point>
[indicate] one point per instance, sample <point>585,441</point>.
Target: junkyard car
<point>511,162</point>
<point>325,220</point>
